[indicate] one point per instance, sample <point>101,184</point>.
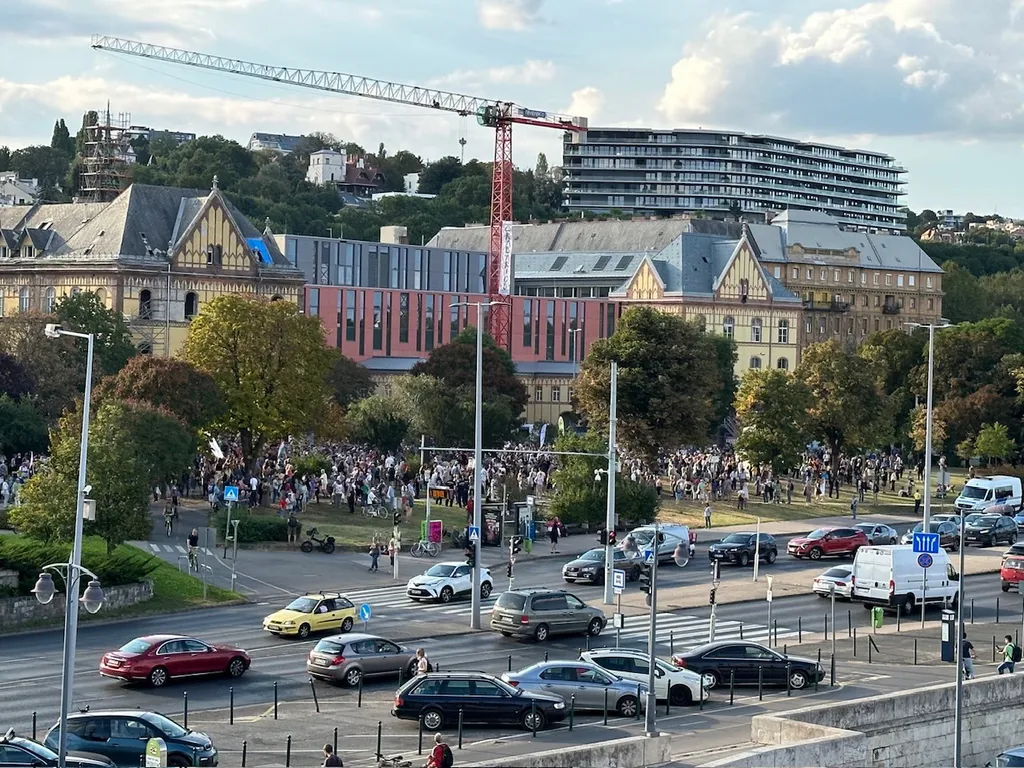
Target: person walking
<point>917,502</point>
<point>707,516</point>
<point>553,535</point>
<point>392,551</point>
<point>423,665</point>
<point>331,760</point>
<point>854,503</point>
<point>374,555</point>
<point>1011,655</point>
<point>967,657</point>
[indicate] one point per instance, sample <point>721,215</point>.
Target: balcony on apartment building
<point>827,306</point>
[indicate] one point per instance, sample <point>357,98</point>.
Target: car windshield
<point>511,601</point>
<point>170,728</point>
<point>973,492</point>
<point>837,573</point>
<point>302,605</point>
<point>594,554</point>
<point>135,646</point>
<point>985,521</point>
<point>642,537</point>
<point>441,571</point>
<point>818,533</point>
<point>40,750</point>
<point>736,538</point>
<point>971,518</point>
<point>932,527</point>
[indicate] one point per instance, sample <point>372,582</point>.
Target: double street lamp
<point>72,571</point>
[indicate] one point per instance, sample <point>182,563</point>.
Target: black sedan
<point>15,750</point>
<point>589,566</point>
<point>879,533</point>
<point>742,548</point>
<point>438,697</point>
<point>716,662</point>
<point>989,530</point>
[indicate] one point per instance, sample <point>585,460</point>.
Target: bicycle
<point>193,559</point>
<point>168,524</point>
<point>429,548</point>
<point>394,761</point>
<point>374,510</point>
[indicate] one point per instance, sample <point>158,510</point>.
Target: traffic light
<point>711,599</point>
<point>398,517</point>
<point>645,578</point>
<point>611,538</point>
<point>471,556</point>
<point>602,536</point>
<point>508,569</point>
<point>516,545</point>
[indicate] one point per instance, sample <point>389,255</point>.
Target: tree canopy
<point>773,410</point>
<point>348,381</point>
<point>85,313</point>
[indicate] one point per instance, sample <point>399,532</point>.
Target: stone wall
<point>8,578</point>
<point>909,729</point>
<point>15,611</point>
<point>633,752</point>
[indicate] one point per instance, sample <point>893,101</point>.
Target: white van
<point>672,536</point>
<point>890,576</point>
<point>980,493</point>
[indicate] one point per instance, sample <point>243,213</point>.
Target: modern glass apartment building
<point>666,172</point>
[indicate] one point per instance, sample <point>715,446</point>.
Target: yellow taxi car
<point>315,612</point>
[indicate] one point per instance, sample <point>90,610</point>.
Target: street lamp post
<point>574,335</point>
<point>478,449</point>
<point>958,704</point>
<point>609,520</point>
<point>72,571</point>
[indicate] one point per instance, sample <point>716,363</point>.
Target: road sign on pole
<point>230,493</point>
<point>769,595</point>
<point>474,533</point>
<point>364,614</point>
<point>926,542</point>
<point>925,560</point>
<point>619,581</point>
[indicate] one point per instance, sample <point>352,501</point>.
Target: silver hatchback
<point>348,658</point>
<point>585,685</point>
<point>540,613</point>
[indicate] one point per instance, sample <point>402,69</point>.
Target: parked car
<point>956,520</point>
<point>540,613</point>
<point>742,548</point>
<point>155,659</point>
<point>593,687</point>
<point>18,751</point>
<point>949,535</point>
<point>989,530</point>
<point>1019,520</point>
<point>879,533</point>
<point>446,581</point>
<point>589,567</point>
<point>349,658</point>
<point>438,697</point>
<point>1011,573</point>
<point>1011,758</point>
<point>892,578</point>
<point>315,612</point>
<point>980,493</point>
<point>828,542</point>
<point>716,662</point>
<point>121,735</point>
<point>841,576</point>
<point>671,536</point>
<point>1015,549</point>
<point>681,685</point>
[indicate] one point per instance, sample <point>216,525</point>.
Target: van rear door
<point>872,572</point>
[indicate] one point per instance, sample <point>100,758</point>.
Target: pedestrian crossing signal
<point>645,579</point>
<point>602,537</point>
<point>611,538</point>
<point>471,556</point>
<point>515,545</point>
<point>398,517</point>
<point>508,570</point>
<point>712,599</point>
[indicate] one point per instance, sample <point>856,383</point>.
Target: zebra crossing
<point>175,549</point>
<point>389,602</point>
<point>677,631</point>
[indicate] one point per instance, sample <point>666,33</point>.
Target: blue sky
<point>938,84</point>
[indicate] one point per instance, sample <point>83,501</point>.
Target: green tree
<point>5,158</point>
<point>269,362</point>
<point>55,366</point>
<point>62,141</point>
<point>772,407</point>
<point>847,409</point>
<point>349,381</point>
<point>994,442</point>
<point>112,345</point>
<point>964,300</point>
<point>22,428</point>
<point>894,355</point>
<point>378,421</point>
<point>435,409</point>
<point>15,379</point>
<point>438,173</point>
<point>965,448</point>
<point>919,429</point>
<point>668,377</point>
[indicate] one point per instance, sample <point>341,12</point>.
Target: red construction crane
<point>500,115</point>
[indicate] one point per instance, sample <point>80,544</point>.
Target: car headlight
<point>288,623</point>
<point>559,705</point>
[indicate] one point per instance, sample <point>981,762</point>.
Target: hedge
<point>27,556</point>
<point>255,528</point>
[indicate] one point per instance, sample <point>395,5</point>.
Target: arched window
<point>783,364</point>
<point>145,348</point>
<point>729,327</point>
<point>755,330</point>
<point>755,363</point>
<point>49,300</point>
<point>145,304</point>
<point>191,305</point>
<point>103,296</point>
<point>24,299</point>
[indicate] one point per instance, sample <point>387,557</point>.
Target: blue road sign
<point>365,612</point>
<point>230,493</point>
<point>925,560</point>
<point>648,555</point>
<point>619,580</point>
<point>926,542</point>
<point>474,533</point>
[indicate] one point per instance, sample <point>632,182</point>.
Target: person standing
<point>553,535</point>
<point>392,551</point>
<point>331,760</point>
<point>1010,655</point>
<point>967,657</point>
<point>854,503</point>
<point>707,515</point>
<point>423,665</point>
<point>374,555</point>
<point>293,528</point>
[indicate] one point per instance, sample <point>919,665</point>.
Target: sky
<point>937,84</point>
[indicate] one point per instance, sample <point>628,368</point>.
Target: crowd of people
<point>14,473</point>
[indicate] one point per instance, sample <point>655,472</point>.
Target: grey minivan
<point>540,613</point>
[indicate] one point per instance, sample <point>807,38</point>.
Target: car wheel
<point>595,627</point>
<point>815,553</point>
<point>506,634</point>
<point>710,679</point>
<point>158,677</point>
<point>412,670</point>
<point>236,667</point>
<point>680,696</point>
<point>744,560</point>
<point>797,679</point>
<point>540,634</point>
<point>1006,587</point>
<point>178,761</point>
<point>853,553</point>
<point>627,706</point>
<point>568,581</point>
<point>485,590</point>
<point>346,625</point>
<point>533,719</point>
<point>303,631</point>
<point>353,676</point>
<point>1013,538</point>
<point>990,541</point>
<point>432,719</point>
<point>446,595</point>
<point>772,554</point>
<point>892,542</point>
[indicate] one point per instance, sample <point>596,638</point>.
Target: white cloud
<point>529,72</point>
<point>888,67</point>
<point>586,102</point>
<point>515,15</point>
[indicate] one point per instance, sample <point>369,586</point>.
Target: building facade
<point>282,143</point>
<point>15,191</point>
<point>667,172</point>
<point>154,254</point>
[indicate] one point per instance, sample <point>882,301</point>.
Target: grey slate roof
<point>577,265</point>
<point>547,368</point>
<point>391,364</point>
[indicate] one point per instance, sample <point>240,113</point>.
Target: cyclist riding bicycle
<point>168,520</point>
<point>193,549</point>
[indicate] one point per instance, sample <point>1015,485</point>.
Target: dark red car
<point>828,542</point>
<point>155,659</point>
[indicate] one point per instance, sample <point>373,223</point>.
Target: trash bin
<point>948,636</point>
<point>876,617</point>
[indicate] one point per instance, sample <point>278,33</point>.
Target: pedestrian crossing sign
<point>230,493</point>
<point>474,533</point>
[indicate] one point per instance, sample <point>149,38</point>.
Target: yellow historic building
<point>155,254</point>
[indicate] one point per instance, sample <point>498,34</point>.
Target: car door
<point>1007,527</point>
<point>324,616</point>
<point>12,755</point>
<point>729,659</point>
<point>491,702</point>
<point>767,543</point>
<point>461,581</point>
<point>366,653</point>
<point>618,665</point>
<point>203,659</point>
<point>128,736</point>
<point>591,685</point>
<point>95,736</point>
<point>767,664</point>
<point>578,616</point>
<point>388,657</point>
<point>559,680</point>
<point>455,695</point>
<point>176,659</point>
<point>641,672</point>
<point>551,609</point>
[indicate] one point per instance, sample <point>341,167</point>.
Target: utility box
<point>876,617</point>
<point>949,638</point>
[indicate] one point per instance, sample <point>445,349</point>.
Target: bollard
<point>972,610</point>
<point>789,677</point>
<point>869,650</point>
<point>245,749</point>
<point>316,701</point>
<point>34,726</point>
<point>997,610</point>
<point>605,706</point>
<point>915,651</point>
<point>668,701</point>
<point>741,630</point>
<point>545,657</point>
<point>855,643</point>
<point>288,753</point>
<point>785,650</point>
<point>359,693</point>
<point>732,686</point>
<point>401,676</point>
<point>826,626</point>
<point>899,613</point>
<point>184,703</point>
<point>533,717</point>
<point>437,667</point>
<point>275,699</point>
<point>572,710</point>
<point>701,705</point>
<point>775,630</point>
<point>380,731</point>
<point>638,701</point>
<point>832,672</point>
<point>335,739</point>
<point>849,623</point>
<point>993,649</point>
<point>460,727</point>
<point>760,683</point>
<point>799,630</point>
<point>510,662</point>
<point>419,748</point>
<point>671,642</point>
<point>588,641</point>
<point>231,705</point>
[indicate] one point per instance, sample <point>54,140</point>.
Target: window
<point>453,318</point>
<point>782,364</point>
<point>145,304</point>
<point>931,303</point>
<point>755,363</point>
<point>835,275</point>
<point>863,278</point>
<point>49,300</point>
<point>755,330</point>
<point>428,324</point>
<point>191,305</point>
<point>729,327</point>
<point>783,332</point>
<point>527,323</point>
<point>350,315</point>
<point>403,318</point>
<point>824,274</point>
<point>899,281</point>
<point>549,341</point>
<point>796,273</point>
<point>378,320</point>
<point>822,325</point>
<point>911,280</point>
<point>927,282</point>
<point>888,280</point>
<point>810,273</point>
<point>777,271</point>
<point>556,394</point>
<point>538,395</point>
<point>744,289</point>
<point>913,302</point>
<point>874,279</point>
<point>849,276</point>
<point>611,319</point>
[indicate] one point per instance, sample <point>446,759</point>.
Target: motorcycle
<point>324,544</point>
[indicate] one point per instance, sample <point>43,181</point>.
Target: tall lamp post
<point>72,571</point>
<point>574,335</point>
<point>478,451</point>
<point>932,327</point>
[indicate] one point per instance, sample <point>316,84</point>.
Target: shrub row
<point>27,556</point>
<point>255,528</point>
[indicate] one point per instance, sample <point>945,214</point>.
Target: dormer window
<point>744,289</point>
<point>27,251</point>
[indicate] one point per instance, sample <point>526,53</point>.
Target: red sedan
<point>155,659</point>
<point>828,542</point>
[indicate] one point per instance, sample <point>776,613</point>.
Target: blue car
<point>121,735</point>
<point>1019,520</point>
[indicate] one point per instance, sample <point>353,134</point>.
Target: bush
<point>311,464</point>
<point>253,529</point>
<point>28,556</point>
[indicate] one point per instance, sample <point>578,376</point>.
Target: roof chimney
<point>394,235</point>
